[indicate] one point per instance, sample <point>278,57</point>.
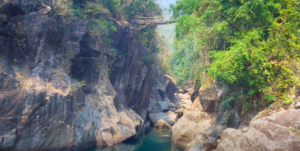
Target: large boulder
<point>189,127</point>
<point>169,117</point>
<point>196,144</point>
<point>160,106</point>
<point>280,131</point>
<point>171,88</point>
<point>210,97</point>
<point>208,140</point>
<point>159,102</point>
<point>201,142</point>
<point>196,105</point>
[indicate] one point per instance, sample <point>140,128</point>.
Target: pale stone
<point>279,131</point>
<point>189,127</point>
<point>163,125</point>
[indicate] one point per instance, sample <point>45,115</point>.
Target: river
<point>151,141</point>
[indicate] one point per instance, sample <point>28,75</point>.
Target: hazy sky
<point>167,32</point>
<point>165,3</point>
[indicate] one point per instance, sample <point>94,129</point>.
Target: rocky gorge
<point>204,122</point>
<point>209,124</point>
<point>66,86</point>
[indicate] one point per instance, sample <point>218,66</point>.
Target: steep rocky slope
<point>215,122</point>
<point>55,89</point>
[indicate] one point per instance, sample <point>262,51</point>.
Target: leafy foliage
<point>251,44</point>
<point>142,8</point>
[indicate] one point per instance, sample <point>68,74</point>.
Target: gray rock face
<point>170,117</point>
<point>58,115</point>
<point>159,102</point>
<point>55,92</point>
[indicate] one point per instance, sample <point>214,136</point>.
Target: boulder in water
<point>163,125</point>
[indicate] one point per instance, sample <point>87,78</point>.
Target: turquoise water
<point>152,141</point>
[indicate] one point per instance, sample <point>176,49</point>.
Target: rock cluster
<point>162,105</point>
<point>201,129</point>
<point>279,131</point>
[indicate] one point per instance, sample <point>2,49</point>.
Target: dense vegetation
<point>252,44</point>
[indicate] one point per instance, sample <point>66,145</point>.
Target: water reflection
<point>152,141</point>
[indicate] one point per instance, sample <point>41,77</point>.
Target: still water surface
<point>152,141</point>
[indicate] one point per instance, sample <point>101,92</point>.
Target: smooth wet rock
<point>163,125</point>
<point>279,131</point>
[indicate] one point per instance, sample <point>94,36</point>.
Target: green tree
<point>252,44</point>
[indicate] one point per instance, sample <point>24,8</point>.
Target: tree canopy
<point>253,44</point>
